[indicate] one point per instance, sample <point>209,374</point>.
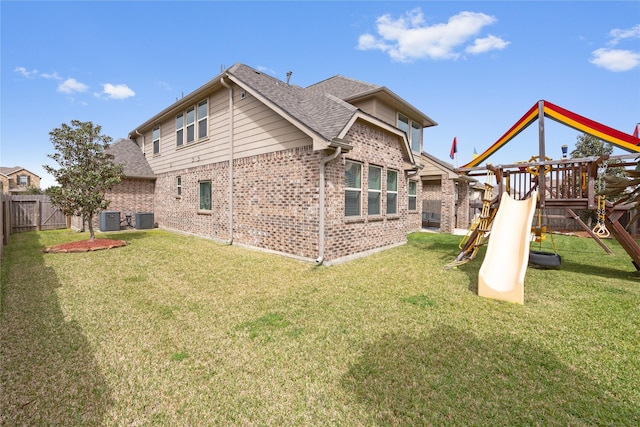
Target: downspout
<point>142,135</point>
<point>223,83</point>
<point>321,207</point>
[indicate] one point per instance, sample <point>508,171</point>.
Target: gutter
<point>321,207</point>
<point>225,84</point>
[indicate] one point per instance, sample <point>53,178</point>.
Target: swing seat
<point>544,259</point>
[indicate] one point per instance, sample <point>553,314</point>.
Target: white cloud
<point>487,44</point>
<point>409,37</point>
<point>72,86</point>
<point>617,35</point>
<point>52,76</point>
<point>119,91</point>
<point>615,59</point>
<point>26,73</point>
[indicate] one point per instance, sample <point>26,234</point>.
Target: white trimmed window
<point>413,130</point>
<point>179,129</point>
<point>156,140</point>
<point>191,124</point>
<point>23,180</point>
<point>179,186</point>
<point>203,115</point>
<point>353,188</point>
<point>413,195</point>
<point>416,137</point>
<point>374,190</point>
<point>392,192</point>
<point>205,196</point>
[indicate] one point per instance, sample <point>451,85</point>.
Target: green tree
<point>86,171</point>
<point>590,146</point>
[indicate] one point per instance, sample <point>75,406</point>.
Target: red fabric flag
<point>636,132</point>
<point>454,148</point>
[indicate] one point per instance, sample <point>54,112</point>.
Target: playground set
<point>506,222</point>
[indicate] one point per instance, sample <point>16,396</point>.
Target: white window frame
<point>26,180</point>
<point>372,209</point>
<point>179,186</point>
<point>202,121</point>
<point>155,140</point>
<point>190,123</point>
<point>352,190</point>
<point>392,208</point>
<point>413,197</point>
<point>202,202</point>
<point>180,130</point>
<point>411,128</point>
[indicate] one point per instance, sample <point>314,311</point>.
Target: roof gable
<point>6,171</point>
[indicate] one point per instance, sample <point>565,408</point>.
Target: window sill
<point>393,217</point>
<point>374,218</point>
<point>353,219</point>
<point>192,143</point>
<point>178,197</point>
<point>202,212</point>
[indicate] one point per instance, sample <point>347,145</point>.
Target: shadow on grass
<point>455,377</point>
<point>49,374</point>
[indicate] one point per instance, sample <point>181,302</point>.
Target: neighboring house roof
<point>127,153</point>
<point>435,168</point>
<point>10,171</point>
<point>321,110</point>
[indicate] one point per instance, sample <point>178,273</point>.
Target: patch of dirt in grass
<point>85,246</point>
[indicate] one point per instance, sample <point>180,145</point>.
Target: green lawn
<point>177,330</point>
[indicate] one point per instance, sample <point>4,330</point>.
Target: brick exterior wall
<point>447,219</point>
<point>347,236</point>
<point>276,200</point>
<point>130,195</point>
<point>462,205</point>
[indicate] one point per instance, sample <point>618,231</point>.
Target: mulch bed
<point>85,246</point>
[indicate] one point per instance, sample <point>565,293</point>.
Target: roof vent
<point>289,76</point>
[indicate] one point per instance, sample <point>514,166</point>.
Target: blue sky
<point>474,67</point>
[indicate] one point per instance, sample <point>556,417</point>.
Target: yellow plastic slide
<point>502,272</point>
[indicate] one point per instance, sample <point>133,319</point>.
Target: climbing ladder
<point>476,237</point>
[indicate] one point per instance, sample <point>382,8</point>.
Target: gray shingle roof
<point>9,170</point>
<point>322,114</point>
<point>127,153</point>
<point>323,107</point>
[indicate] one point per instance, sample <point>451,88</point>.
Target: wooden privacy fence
<point>34,212</point>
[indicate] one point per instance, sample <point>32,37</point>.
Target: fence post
<point>38,214</point>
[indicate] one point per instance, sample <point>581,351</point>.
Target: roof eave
<point>426,120</point>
